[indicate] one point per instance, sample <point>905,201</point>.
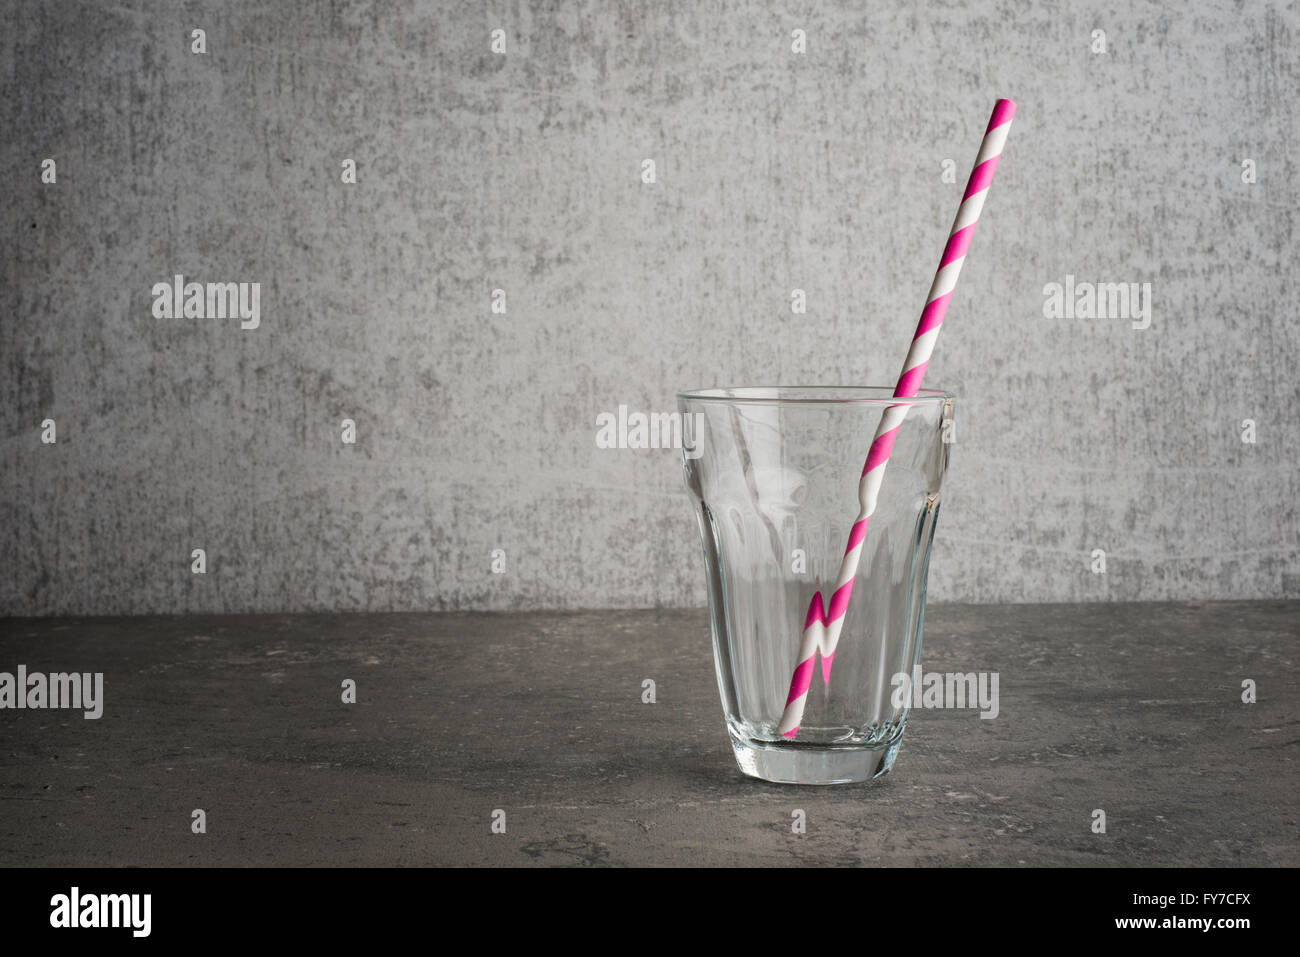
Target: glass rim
<point>834,394</point>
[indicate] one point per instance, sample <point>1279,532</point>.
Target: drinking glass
<point>774,474</point>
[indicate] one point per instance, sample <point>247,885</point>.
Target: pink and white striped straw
<point>822,626</point>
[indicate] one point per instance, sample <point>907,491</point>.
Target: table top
<point>1134,709</point>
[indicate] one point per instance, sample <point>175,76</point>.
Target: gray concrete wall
<point>775,171</point>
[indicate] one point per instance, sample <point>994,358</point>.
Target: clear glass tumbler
<point>775,474</point>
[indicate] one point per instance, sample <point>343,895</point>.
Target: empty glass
<point>774,472</point>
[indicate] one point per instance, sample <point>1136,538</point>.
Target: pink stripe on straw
<point>910,382</point>
<point>815,613</point>
<point>981,178</point>
<point>878,455</point>
<point>822,627</point>
<point>840,601</point>
<point>802,680</point>
<point>958,243</point>
<point>826,668</point>
<point>932,315</point>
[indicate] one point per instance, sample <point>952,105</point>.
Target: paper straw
<point>822,626</point>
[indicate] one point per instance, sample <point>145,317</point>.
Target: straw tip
<point>1003,111</point>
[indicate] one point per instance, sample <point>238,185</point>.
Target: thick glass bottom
<point>813,764</point>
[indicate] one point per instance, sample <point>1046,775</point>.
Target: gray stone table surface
<point>1135,709</point>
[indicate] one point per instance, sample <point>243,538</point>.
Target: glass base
<point>813,764</point>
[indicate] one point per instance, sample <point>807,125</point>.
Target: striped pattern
<point>822,626</point>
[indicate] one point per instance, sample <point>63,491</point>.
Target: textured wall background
<point>522,171</point>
